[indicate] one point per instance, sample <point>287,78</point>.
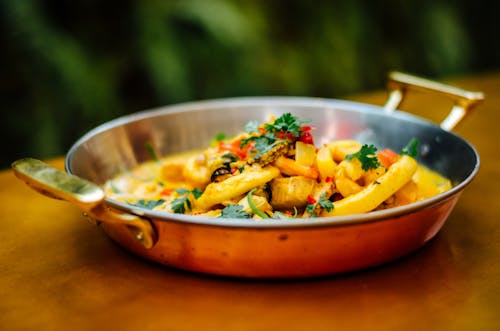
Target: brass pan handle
<point>89,197</point>
<point>399,83</point>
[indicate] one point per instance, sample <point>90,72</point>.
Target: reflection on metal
<point>57,184</point>
<point>399,83</point>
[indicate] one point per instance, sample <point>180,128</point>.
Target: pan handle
<point>464,101</point>
<point>58,184</point>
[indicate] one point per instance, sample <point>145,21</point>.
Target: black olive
<point>220,174</point>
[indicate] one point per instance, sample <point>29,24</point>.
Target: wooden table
<point>58,272</point>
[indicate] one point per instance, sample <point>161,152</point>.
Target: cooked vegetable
<point>375,193</point>
<point>253,206</point>
<point>289,192</point>
<point>305,154</point>
<point>272,170</point>
<point>293,168</point>
<point>234,186</point>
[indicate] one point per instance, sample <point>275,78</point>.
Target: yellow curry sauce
<point>274,170</point>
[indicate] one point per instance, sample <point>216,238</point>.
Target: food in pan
<point>274,170</point>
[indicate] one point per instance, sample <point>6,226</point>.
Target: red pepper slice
<point>311,200</point>
<point>234,148</point>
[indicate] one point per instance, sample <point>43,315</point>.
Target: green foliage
<point>367,155</point>
<point>234,211</point>
<point>69,66</point>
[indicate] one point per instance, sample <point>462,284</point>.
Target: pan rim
<point>373,216</point>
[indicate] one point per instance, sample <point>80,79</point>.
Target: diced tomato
<point>387,157</point>
<point>311,200</point>
<point>306,136</point>
<point>329,179</point>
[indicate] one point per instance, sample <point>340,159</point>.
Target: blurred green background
<point>68,66</point>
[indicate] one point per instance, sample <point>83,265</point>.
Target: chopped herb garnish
<point>234,211</point>
<point>322,203</point>
<point>411,149</point>
<point>182,203</point>
<point>286,123</point>
<point>286,128</point>
<point>151,151</point>
<point>310,208</point>
<point>251,126</point>
<point>325,203</point>
<point>148,204</point>
<point>368,157</point>
<point>220,136</point>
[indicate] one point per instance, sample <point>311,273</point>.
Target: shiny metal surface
<point>270,248</point>
<point>276,248</point>
<point>120,145</point>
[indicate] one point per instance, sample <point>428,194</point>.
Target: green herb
<point>283,128</point>
<point>368,157</point>
<point>151,151</point>
<point>182,203</point>
<point>262,143</point>
<point>234,211</point>
<point>252,205</point>
<point>310,208</point>
<point>411,149</point>
<point>251,126</point>
<point>148,204</point>
<point>286,123</point>
<point>220,136</point>
<point>323,203</point>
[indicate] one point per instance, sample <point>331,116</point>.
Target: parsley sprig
<point>183,203</point>
<point>367,155</point>
<point>322,203</point>
<point>286,124</point>
<point>281,130</point>
<point>234,211</point>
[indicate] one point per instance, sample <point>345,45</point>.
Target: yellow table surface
<point>59,272</point>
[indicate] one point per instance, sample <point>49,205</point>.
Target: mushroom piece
<point>220,174</point>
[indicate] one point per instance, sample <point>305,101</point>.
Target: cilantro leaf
<point>251,126</point>
<point>411,149</point>
<point>196,193</point>
<point>182,203</point>
<point>325,203</point>
<point>368,157</point>
<point>286,123</point>
<point>234,211</point>
<point>310,208</point>
<point>148,204</point>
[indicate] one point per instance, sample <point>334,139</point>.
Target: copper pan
<point>264,248</point>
